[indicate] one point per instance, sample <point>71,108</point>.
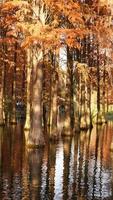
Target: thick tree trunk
<point>98,82</point>
<point>13,118</point>
<point>71,96</point>
<point>1,108</point>
<point>85,114</point>
<point>44,102</point>
<point>54,109</point>
<point>99,115</point>
<point>27,122</point>
<point>36,137</point>
<point>77,109</point>
<point>4,78</point>
<point>53,99</point>
<point>1,99</point>
<point>67,119</point>
<point>103,97</point>
<point>69,104</point>
<point>80,99</point>
<point>89,104</point>
<point>2,85</point>
<point>107,101</point>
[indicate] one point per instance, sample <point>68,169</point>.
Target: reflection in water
<point>1,131</point>
<point>44,176</point>
<point>71,172</point>
<point>6,164</point>
<point>16,162</point>
<point>72,168</point>
<point>59,165</point>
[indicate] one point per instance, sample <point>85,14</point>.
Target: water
<point>78,168</point>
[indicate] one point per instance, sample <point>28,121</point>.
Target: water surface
<point>77,168</point>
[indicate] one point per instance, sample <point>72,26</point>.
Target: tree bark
<point>36,136</point>
<point>13,118</point>
<point>54,109</point>
<point>99,116</point>
<point>27,122</point>
<point>89,104</point>
<point>1,99</point>
<point>53,98</point>
<point>77,109</point>
<point>69,104</point>
<point>98,81</point>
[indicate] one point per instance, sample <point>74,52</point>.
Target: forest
<point>56,66</point>
<point>56,99</point>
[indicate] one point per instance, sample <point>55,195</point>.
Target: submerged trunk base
<point>2,123</point>
<point>27,126</point>
<point>111,147</point>
<point>13,122</point>
<point>66,132</point>
<point>54,137</point>
<point>53,133</point>
<point>34,144</point>
<point>100,119</point>
<point>83,124</point>
<point>77,125</point>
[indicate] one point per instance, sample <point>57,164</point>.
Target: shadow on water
<point>75,168</point>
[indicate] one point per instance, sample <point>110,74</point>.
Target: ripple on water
<point>80,168</point>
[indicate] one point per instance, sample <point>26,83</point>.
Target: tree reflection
<point>17,157</point>
<point>35,162</point>
<point>76,167</point>
<point>6,164</point>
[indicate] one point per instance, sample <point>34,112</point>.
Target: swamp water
<point>77,168</point>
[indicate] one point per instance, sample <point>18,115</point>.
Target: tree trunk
<point>13,118</point>
<point>107,101</point>
<point>84,114</point>
<point>44,101</point>
<point>89,104</point>
<point>27,122</point>
<point>99,120</point>
<point>2,86</point>
<point>1,99</point>
<point>54,109</point>
<point>53,98</point>
<point>69,106</point>
<point>103,95</point>
<point>36,137</point>
<point>98,81</point>
<point>80,99</point>
<point>77,109</point>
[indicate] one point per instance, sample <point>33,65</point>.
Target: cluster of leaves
<point>11,13</point>
<point>50,24</point>
<point>44,22</point>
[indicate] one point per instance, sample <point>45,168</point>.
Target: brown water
<point>78,168</point>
